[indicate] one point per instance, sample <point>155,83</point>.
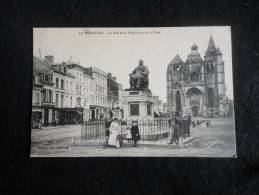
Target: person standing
<point>107,129</point>
<point>114,132</point>
<point>135,132</point>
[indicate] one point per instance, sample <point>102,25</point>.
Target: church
<point>197,86</point>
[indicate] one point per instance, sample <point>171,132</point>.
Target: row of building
<point>65,93</point>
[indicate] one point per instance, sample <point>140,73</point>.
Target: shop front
<point>97,112</point>
<point>36,118</point>
<point>64,116</point>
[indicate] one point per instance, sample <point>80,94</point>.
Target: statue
<point>139,77</point>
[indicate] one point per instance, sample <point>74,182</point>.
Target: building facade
<point>98,93</point>
<point>114,97</point>
<point>197,86</point>
<point>42,93</point>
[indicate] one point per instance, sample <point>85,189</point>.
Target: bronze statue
<point>139,77</point>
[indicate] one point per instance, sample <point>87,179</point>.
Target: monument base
<point>138,104</point>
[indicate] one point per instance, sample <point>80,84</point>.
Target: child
<point>128,136</point>
<point>135,132</point>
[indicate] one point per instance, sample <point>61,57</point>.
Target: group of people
<point>113,136</point>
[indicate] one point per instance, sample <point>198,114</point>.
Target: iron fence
<point>149,130</point>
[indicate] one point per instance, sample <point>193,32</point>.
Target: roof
<point>194,47</point>
<point>176,60</point>
<point>211,45</point>
<point>219,51</point>
<point>41,66</point>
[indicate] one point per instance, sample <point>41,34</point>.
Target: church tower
<point>174,85</point>
<point>215,76</point>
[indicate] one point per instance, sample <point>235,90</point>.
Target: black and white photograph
<point>133,92</point>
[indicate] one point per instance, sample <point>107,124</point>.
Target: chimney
<point>50,59</point>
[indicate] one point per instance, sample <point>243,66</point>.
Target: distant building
<point>197,86</point>
<point>114,97</point>
<point>157,106</point>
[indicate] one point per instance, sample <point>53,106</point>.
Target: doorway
<point>195,111</point>
<point>92,114</point>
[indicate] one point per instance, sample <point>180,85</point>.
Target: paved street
<point>215,141</point>
<point>55,133</point>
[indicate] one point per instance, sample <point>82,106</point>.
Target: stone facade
<point>197,86</point>
<point>138,105</point>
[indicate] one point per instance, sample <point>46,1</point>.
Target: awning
<point>79,112</point>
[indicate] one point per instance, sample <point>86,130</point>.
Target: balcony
<point>46,82</point>
<point>48,103</point>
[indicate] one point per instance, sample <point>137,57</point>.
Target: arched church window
<point>209,67</point>
<point>176,68</point>
<point>169,77</point>
<point>194,77</point>
<point>210,98</point>
<point>178,102</point>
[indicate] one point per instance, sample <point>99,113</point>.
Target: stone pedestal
<point>138,105</point>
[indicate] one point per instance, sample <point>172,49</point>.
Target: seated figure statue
<point>139,77</point>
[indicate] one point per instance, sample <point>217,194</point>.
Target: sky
<point>118,50</point>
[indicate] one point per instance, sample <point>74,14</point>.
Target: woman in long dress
<point>114,132</point>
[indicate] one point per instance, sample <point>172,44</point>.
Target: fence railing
<point>150,130</point>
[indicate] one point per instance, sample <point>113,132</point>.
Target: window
<point>57,100</point>
<point>62,84</point>
<point>76,88</point>
<point>37,98</point>
<point>176,68</point>
<point>194,77</point>
<point>71,101</point>
<point>134,109</point>
<point>209,67</point>
<point>78,102</point>
<point>80,89</point>
<point>210,98</point>
<point>62,100</point>
<point>57,82</point>
<point>47,95</point>
<point>148,109</point>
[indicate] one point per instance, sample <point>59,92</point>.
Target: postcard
<point>133,92</point>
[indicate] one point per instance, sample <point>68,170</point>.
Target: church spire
<point>211,45</point>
